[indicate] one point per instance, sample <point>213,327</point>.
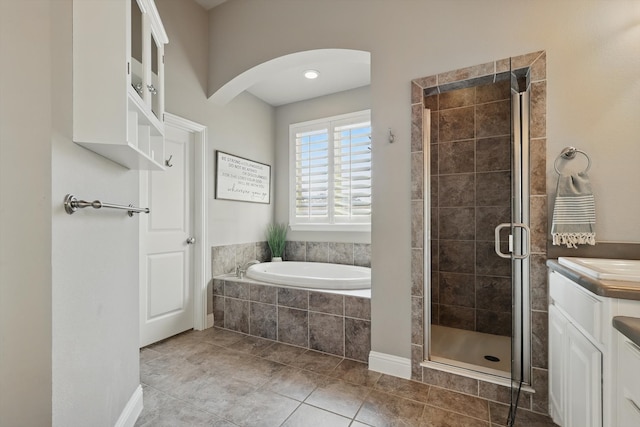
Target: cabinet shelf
<point>126,155</point>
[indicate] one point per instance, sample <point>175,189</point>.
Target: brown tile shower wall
<point>327,322</point>
<point>536,64</point>
<point>471,191</point>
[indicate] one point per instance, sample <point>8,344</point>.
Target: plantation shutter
<point>312,174</point>
<point>331,171</point>
<point>352,172</point>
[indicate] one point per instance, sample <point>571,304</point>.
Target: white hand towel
<point>574,212</point>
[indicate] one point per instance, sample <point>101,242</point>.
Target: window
<point>330,173</point>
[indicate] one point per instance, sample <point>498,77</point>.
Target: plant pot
<point>276,259</point>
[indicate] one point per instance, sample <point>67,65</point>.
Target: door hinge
<point>128,68</point>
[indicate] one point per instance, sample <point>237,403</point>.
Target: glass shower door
<point>520,243</point>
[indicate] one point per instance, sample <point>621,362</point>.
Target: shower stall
<point>476,218</point>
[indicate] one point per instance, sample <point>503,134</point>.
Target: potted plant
<point>276,239</point>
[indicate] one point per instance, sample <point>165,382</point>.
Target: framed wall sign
<point>242,179</point>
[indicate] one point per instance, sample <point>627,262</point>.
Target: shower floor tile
<point>468,349</point>
<point>194,379</point>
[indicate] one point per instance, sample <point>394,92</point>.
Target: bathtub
<point>312,275</point>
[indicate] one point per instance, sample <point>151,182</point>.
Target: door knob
<point>191,240</point>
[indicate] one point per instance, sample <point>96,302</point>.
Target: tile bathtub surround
<point>327,322</point>
<point>225,258</point>
<point>456,295</point>
<point>221,378</point>
<point>358,254</point>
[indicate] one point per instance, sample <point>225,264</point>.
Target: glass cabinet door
<point>137,42</point>
<point>155,85</point>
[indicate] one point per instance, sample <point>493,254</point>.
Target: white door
<point>166,271</point>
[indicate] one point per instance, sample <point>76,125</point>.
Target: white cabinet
<point>584,383</point>
<point>628,376</point>
<point>557,365</point>
<point>584,380</point>
<point>118,81</point>
<point>575,374</point>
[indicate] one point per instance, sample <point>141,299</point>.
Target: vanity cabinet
<point>628,376</point>
<point>118,81</point>
<point>575,359</point>
<point>585,355</point>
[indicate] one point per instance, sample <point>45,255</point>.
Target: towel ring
<point>569,153</point>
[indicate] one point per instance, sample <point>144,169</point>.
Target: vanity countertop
<point>629,327</point>
<point>603,288</point>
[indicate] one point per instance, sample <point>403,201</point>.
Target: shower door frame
<point>521,269</point>
<point>520,257</point>
<point>422,369</point>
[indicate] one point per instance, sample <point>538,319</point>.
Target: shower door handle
<point>527,234</point>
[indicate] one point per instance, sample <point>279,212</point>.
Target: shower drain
<point>492,358</point>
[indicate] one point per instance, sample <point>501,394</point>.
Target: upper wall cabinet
<point>118,81</point>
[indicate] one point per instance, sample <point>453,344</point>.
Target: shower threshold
<point>476,351</point>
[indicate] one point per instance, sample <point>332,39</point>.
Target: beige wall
<point>245,127</point>
<point>95,359</point>
<point>593,93</point>
<point>25,214</point>
<point>69,284</point>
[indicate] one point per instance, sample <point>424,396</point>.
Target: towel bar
<point>71,204</point>
<point>569,153</point>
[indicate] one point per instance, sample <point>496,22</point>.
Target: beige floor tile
<point>261,408</point>
<point>309,416</point>
<point>162,410</point>
<point>436,417</point>
<point>355,372</point>
<point>460,403</point>
<point>500,412</point>
<point>339,396</point>
<point>295,383</point>
<point>382,409</point>
<point>316,362</point>
<point>221,378</point>
<point>281,353</point>
<point>404,388</point>
<point>218,336</point>
<point>251,345</point>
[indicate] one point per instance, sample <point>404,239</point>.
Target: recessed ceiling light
<point>311,74</point>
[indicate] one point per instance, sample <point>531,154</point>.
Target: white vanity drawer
<point>583,307</point>
<point>629,414</point>
<point>629,375</point>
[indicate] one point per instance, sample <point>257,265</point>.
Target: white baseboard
<point>390,364</point>
<point>132,410</point>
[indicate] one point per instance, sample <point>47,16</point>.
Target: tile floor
<point>220,378</point>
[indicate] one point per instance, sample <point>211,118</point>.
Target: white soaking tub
<point>312,275</point>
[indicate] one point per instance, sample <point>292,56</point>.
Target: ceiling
<point>289,85</point>
<point>283,82</point>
